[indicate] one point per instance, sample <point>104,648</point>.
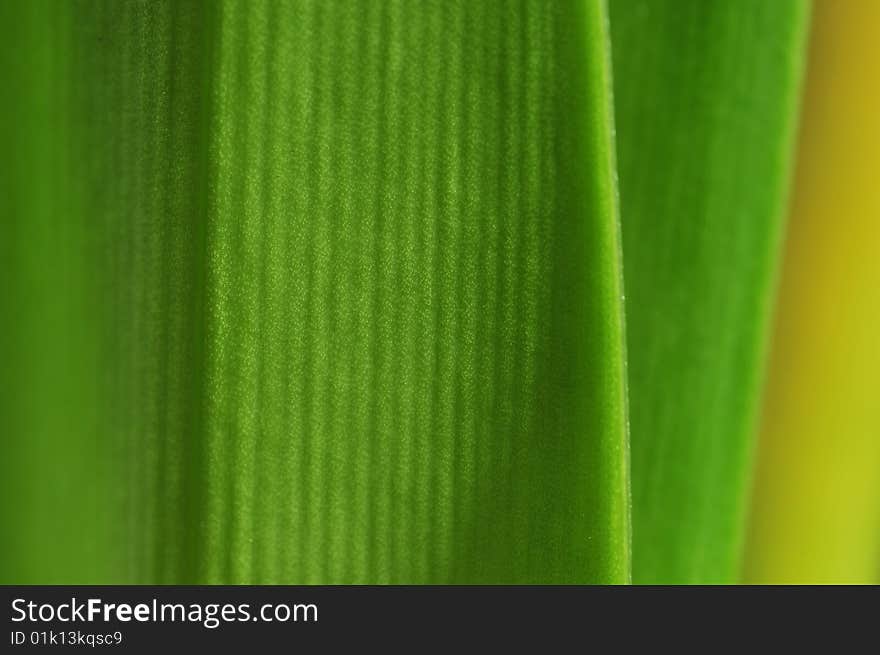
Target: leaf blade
<point>706,100</point>
<point>360,296</point>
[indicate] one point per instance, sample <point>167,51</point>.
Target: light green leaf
<point>706,98</point>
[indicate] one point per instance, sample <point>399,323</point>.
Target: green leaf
<point>312,292</point>
<point>706,98</point>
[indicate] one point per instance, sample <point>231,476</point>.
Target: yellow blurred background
<point>816,501</point>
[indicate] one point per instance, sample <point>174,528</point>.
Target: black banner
<point>286,618</point>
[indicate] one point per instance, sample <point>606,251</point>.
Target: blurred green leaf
<point>706,97</point>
